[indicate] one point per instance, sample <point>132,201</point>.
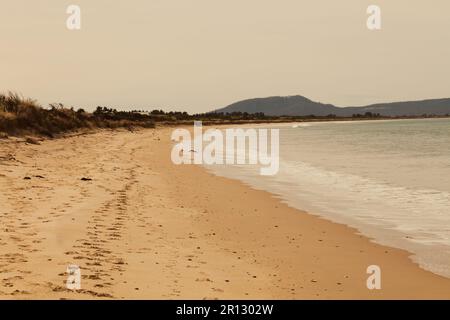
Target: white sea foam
<point>388,179</point>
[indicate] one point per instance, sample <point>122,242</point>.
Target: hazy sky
<point>198,55</point>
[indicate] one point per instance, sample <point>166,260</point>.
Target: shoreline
<point>144,228</point>
<point>433,259</point>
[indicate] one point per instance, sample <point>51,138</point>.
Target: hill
<point>302,106</point>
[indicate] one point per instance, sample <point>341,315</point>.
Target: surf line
<point>237,146</point>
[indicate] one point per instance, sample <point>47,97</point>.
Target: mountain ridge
<point>298,105</point>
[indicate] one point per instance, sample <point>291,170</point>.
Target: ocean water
<point>389,179</point>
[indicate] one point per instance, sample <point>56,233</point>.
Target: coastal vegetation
<point>21,116</point>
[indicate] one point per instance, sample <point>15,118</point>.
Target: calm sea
<point>389,179</point>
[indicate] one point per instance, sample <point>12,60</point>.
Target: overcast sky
<point>199,55</point>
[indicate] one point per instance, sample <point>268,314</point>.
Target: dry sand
<point>144,228</point>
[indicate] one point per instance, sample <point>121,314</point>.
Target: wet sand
<point>143,228</point>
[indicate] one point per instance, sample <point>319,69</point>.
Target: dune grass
<point>20,116</point>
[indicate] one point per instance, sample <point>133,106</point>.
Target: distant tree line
<point>367,115</point>
<point>159,115</point>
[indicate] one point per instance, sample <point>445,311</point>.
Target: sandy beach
<point>140,227</point>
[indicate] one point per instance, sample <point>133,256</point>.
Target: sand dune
<point>140,227</point>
